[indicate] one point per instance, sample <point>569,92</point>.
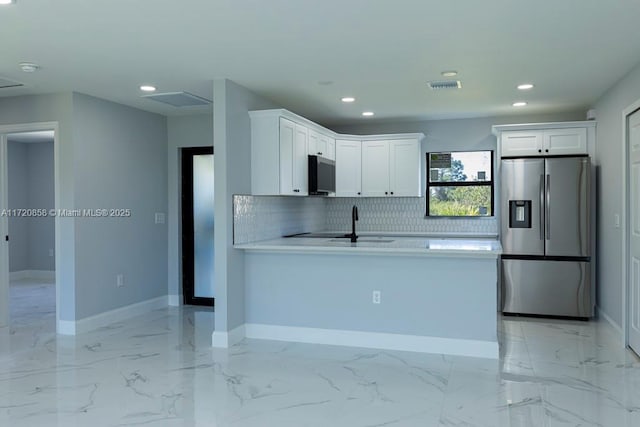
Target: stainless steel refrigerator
<point>545,233</point>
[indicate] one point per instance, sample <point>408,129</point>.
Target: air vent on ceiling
<point>6,83</point>
<point>444,84</point>
<point>178,99</point>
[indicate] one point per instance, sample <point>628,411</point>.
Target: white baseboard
<point>385,341</point>
<point>222,339</point>
<point>66,327</point>
<point>33,274</point>
<point>609,320</point>
<point>174,300</point>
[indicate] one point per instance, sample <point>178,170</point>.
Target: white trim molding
<point>66,327</point>
<point>174,301</point>
<point>377,340</point>
<point>625,221</point>
<point>604,316</point>
<point>222,339</point>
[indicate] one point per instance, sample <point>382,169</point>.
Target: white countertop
<point>388,245</point>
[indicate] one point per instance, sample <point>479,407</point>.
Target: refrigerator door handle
<point>547,216</point>
<point>541,209</point>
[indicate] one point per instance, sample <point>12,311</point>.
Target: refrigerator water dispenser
<point>519,213</point>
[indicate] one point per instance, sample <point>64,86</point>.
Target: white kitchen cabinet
<point>404,168</point>
<point>281,141</point>
<point>322,145</point>
<point>391,168</point>
<point>279,163</point>
<point>348,168</point>
<point>375,168</point>
<point>544,142</point>
<point>295,181</point>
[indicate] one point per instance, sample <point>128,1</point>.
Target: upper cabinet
<point>321,144</point>
<point>545,139</point>
<point>372,165</point>
<point>279,162</point>
<point>349,168</point>
<point>391,168</point>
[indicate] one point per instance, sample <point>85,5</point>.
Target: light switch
<point>616,220</point>
<point>159,218</point>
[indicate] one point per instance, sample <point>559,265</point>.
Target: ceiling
<point>381,52</point>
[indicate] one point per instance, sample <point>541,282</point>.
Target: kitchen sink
<point>347,240</point>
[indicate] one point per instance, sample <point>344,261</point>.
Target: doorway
<point>198,226</point>
<point>28,226</point>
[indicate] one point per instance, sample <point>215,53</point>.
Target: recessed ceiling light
<point>348,99</point>
<point>4,2</point>
<point>449,73</point>
<point>519,104</point>
<point>147,88</point>
<point>525,86</point>
<point>28,67</point>
<point>368,113</point>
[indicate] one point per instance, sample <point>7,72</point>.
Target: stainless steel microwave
<point>322,176</point>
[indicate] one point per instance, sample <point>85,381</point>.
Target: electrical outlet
<point>376,297</point>
<point>50,252</point>
<point>120,280</point>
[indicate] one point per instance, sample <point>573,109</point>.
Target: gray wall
<point>232,142</point>
<point>41,196</point>
<point>610,146</point>
<point>120,161</point>
<point>54,108</point>
<point>31,186</point>
<point>183,131</point>
<point>18,198</point>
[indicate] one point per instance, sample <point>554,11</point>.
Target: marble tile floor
<point>160,370</point>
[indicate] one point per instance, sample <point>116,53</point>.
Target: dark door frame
<point>188,274</point>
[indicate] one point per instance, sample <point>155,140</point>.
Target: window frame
<point>490,183</point>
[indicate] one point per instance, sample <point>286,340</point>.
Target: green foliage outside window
<point>452,192</point>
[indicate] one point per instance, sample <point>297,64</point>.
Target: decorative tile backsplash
<point>400,215</point>
<point>268,217</point>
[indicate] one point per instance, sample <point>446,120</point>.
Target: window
<point>460,184</point>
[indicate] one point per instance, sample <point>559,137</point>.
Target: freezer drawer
<point>555,288</point>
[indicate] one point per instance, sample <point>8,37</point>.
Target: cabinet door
<point>348,168</point>
<point>521,143</point>
<point>565,141</point>
<point>300,162</point>
<point>327,147</point>
<point>287,137</point>
<point>331,148</point>
<point>404,168</point>
<point>375,168</point>
<point>314,142</point>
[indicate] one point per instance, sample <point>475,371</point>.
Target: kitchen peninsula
<point>415,293</point>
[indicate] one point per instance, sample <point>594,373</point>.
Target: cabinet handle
<point>392,192</point>
<point>319,154</point>
<point>539,151</point>
<point>386,192</point>
<point>359,193</point>
<point>296,190</point>
<point>546,151</point>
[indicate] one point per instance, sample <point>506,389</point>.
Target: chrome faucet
<point>354,218</point>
